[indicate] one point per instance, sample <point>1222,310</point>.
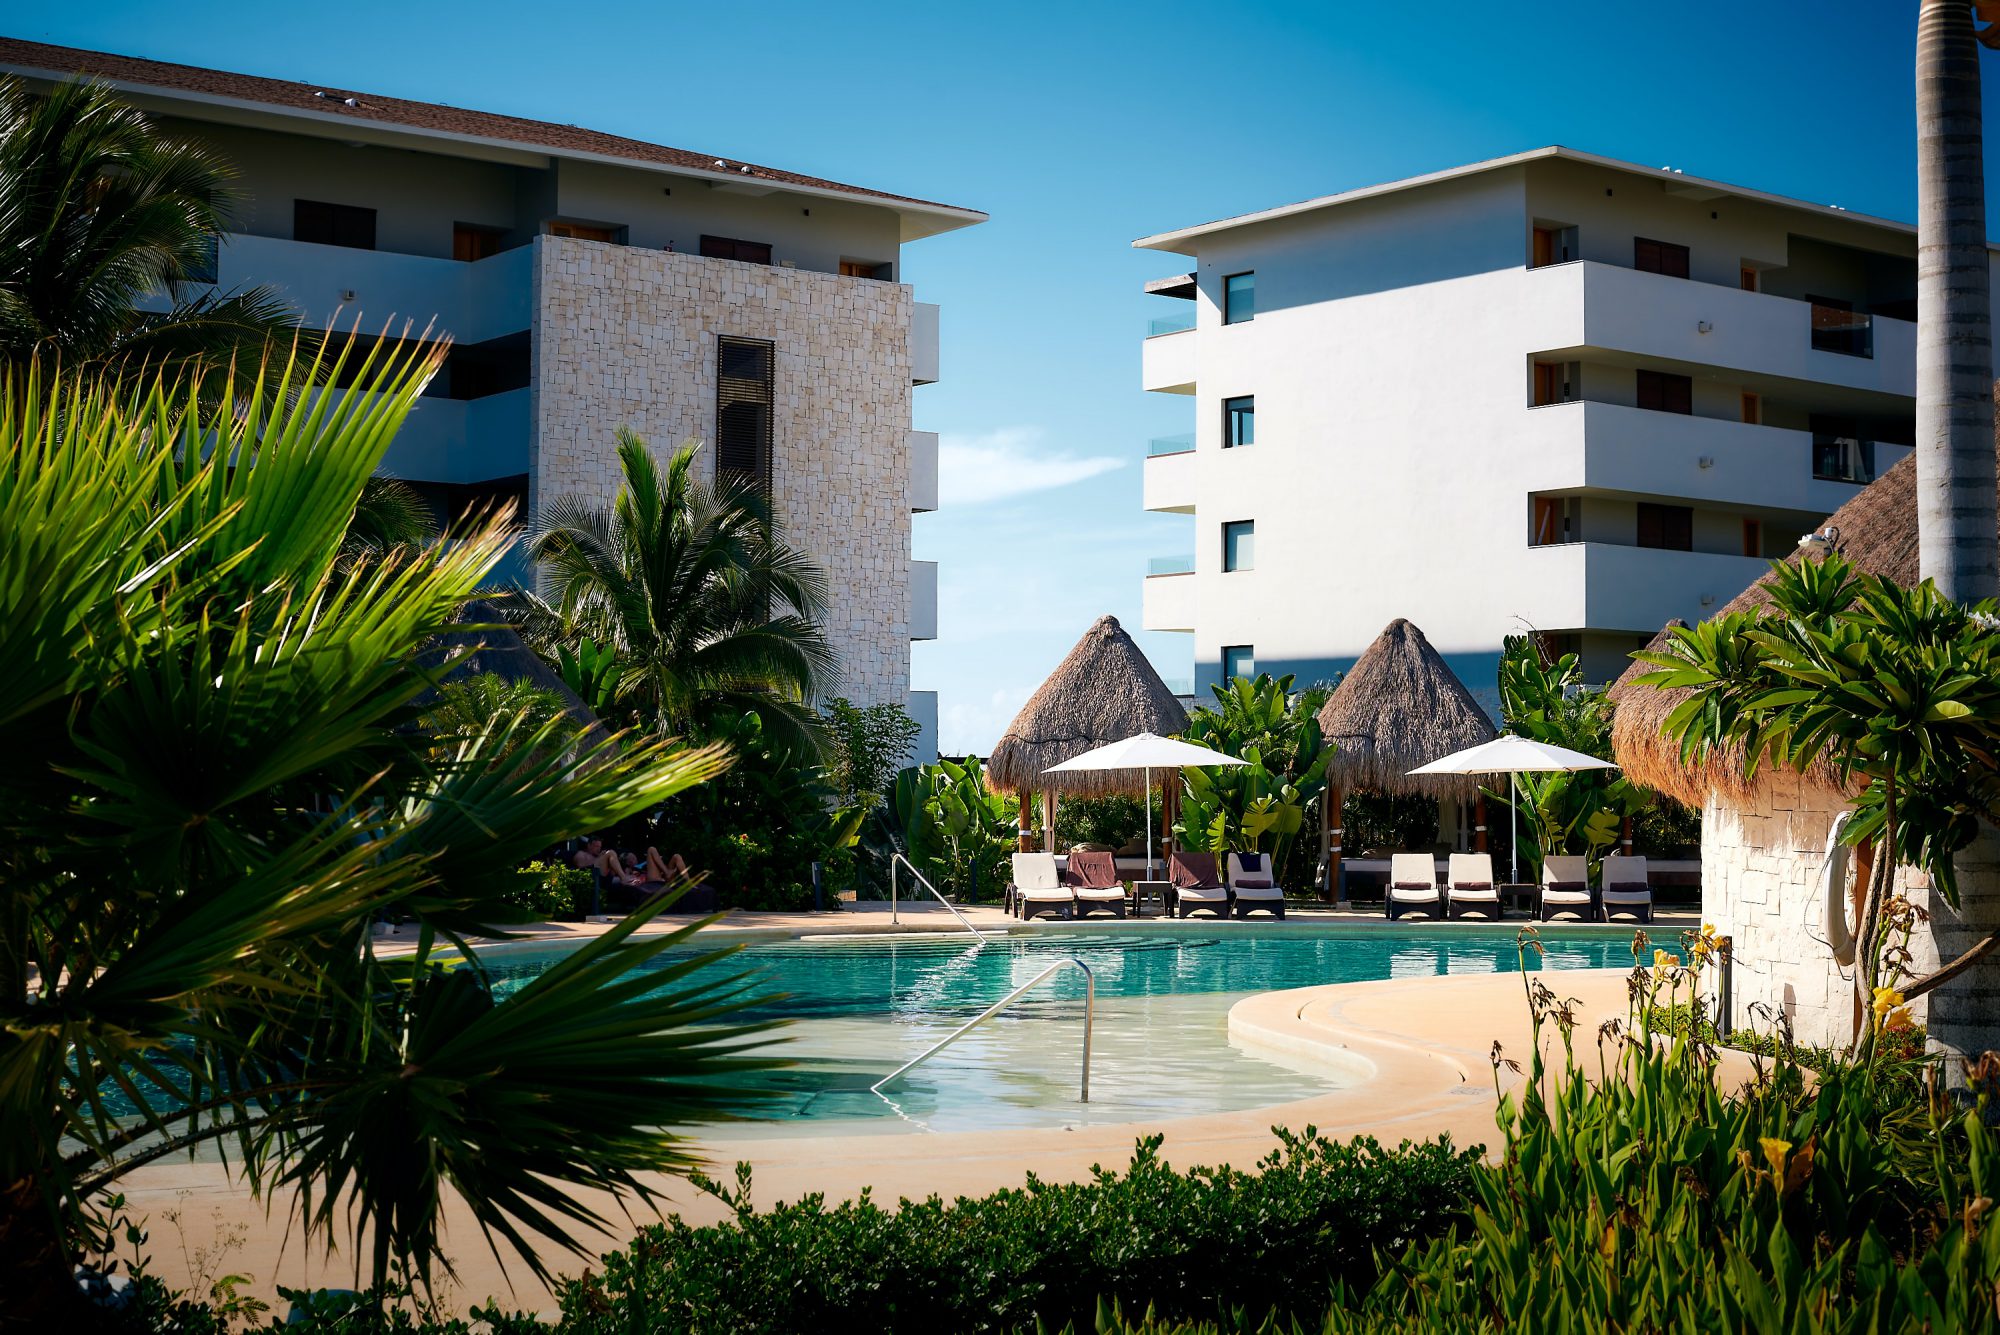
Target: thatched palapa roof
<point>1103,692</point>
<point>1877,531</point>
<point>1398,707</point>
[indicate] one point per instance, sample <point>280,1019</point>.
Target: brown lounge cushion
<point>1193,871</point>
<point>1567,888</point>
<point>1092,871</point>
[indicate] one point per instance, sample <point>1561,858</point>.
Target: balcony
<point>923,343</point>
<point>1610,448</point>
<point>1170,482</point>
<point>462,440</point>
<point>923,448</point>
<point>1838,329</point>
<point>1178,322</point>
<point>1159,446</point>
<point>1166,363</point>
<point>1169,600</point>
<point>1847,459</point>
<point>1590,307</point>
<point>1605,587</point>
<point>923,600</point>
<point>470,301</point>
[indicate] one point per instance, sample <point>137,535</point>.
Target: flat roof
<point>1180,240</point>
<point>325,105</point>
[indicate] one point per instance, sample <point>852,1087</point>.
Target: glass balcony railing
<point>1181,686</point>
<point>1160,445</point>
<point>1170,324</point>
<point>1835,329</point>
<point>1171,565</point>
<point>1843,459</point>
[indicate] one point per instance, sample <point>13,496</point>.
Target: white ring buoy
<point>1833,893</point>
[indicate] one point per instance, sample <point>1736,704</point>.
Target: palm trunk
<point>1956,519</point>
<point>1955,457</point>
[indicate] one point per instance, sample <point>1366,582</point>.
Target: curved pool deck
<point>1425,1042</point>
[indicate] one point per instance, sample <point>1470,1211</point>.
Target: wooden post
<point>1335,805</point>
<point>1625,836</point>
<point>1026,821</point>
<point>1048,820</point>
<point>1479,823</point>
<point>1170,811</point>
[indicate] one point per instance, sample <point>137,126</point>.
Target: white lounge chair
<point>1412,886</point>
<point>1626,889</point>
<point>1038,887</point>
<point>1255,889</point>
<point>1197,884</point>
<point>1566,888</point>
<point>1470,888</point>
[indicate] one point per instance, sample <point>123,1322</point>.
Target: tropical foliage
<point>1261,805</point>
<point>98,213</point>
<point>866,746</point>
<point>1112,821</point>
<point>952,827</point>
<point>1575,813</point>
<point>708,609</point>
<point>215,785</point>
<point>1894,691</point>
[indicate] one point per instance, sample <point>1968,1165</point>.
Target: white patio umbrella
<point>1147,752</point>
<point>1511,755</point>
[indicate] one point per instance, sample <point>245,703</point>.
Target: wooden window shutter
<point>744,391</point>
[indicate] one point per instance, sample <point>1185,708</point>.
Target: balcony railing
<point>1160,445</point>
<point>1850,333</point>
<point>1170,565</point>
<point>1843,459</point>
<point>1181,686</point>
<point>1178,323</point>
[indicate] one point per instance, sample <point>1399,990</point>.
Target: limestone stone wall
<point>1760,867</point>
<point>627,337</point>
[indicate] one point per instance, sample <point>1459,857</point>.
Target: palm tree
<point>213,789</point>
<point>712,613</point>
<point>99,212</point>
<point>1956,519</point>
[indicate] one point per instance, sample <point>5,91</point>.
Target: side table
<point>1158,890</point>
<point>1521,894</point>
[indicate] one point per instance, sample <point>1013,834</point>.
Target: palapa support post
<point>1048,820</point>
<point>1479,823</point>
<point>1625,836</point>
<point>1336,889</point>
<point>1026,822</point>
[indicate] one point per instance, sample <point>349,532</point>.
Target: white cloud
<point>1010,461</point>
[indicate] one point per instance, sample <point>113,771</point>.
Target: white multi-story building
<point>1550,392</point>
<point>591,282</point>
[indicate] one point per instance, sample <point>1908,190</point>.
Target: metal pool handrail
<point>921,880</point>
<point>1089,1014</point>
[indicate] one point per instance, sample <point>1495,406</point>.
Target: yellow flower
<point>1775,1151</point>
<point>1898,1018</point>
<point>1886,1000</point>
<point>1662,961</point>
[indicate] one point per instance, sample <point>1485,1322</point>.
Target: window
<point>1836,327</point>
<point>744,385</point>
<point>469,241</point>
<point>1839,452</point>
<point>583,231</point>
<point>857,268</point>
<point>1661,257</point>
<point>1239,422</point>
<point>1556,520</point>
<point>1753,537</point>
<point>1553,244</point>
<point>1239,545</point>
<point>1238,660</point>
<point>333,224</point>
<point>1556,382</point>
<point>1670,527</point>
<point>1753,409</point>
<point>1239,298</point>
<point>1664,393</point>
<point>728,248</point>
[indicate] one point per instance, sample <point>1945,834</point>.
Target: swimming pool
<point>860,1007</point>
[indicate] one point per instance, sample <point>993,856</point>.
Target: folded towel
<point>1464,887</point>
<point>1091,871</point>
<point>1193,871</point>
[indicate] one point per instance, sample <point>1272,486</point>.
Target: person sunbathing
<point>665,871</point>
<point>594,856</point>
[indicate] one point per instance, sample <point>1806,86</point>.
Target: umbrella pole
<point>1148,800</point>
<point>1514,826</point>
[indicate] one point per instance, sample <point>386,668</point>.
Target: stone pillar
<point>1964,1014</point>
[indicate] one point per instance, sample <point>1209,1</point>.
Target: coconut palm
<point>711,611</point>
<point>100,215</point>
<point>1956,517</point>
<point>213,788</point>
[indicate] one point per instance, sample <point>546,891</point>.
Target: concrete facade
<point>566,266</point>
<point>627,337</point>
<point>1403,465</point>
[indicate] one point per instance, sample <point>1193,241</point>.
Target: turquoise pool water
<point>860,1007</point>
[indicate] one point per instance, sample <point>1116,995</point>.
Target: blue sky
<point>1080,127</point>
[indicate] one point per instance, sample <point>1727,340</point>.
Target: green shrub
<point>545,891</point>
<point>1191,1243</point>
